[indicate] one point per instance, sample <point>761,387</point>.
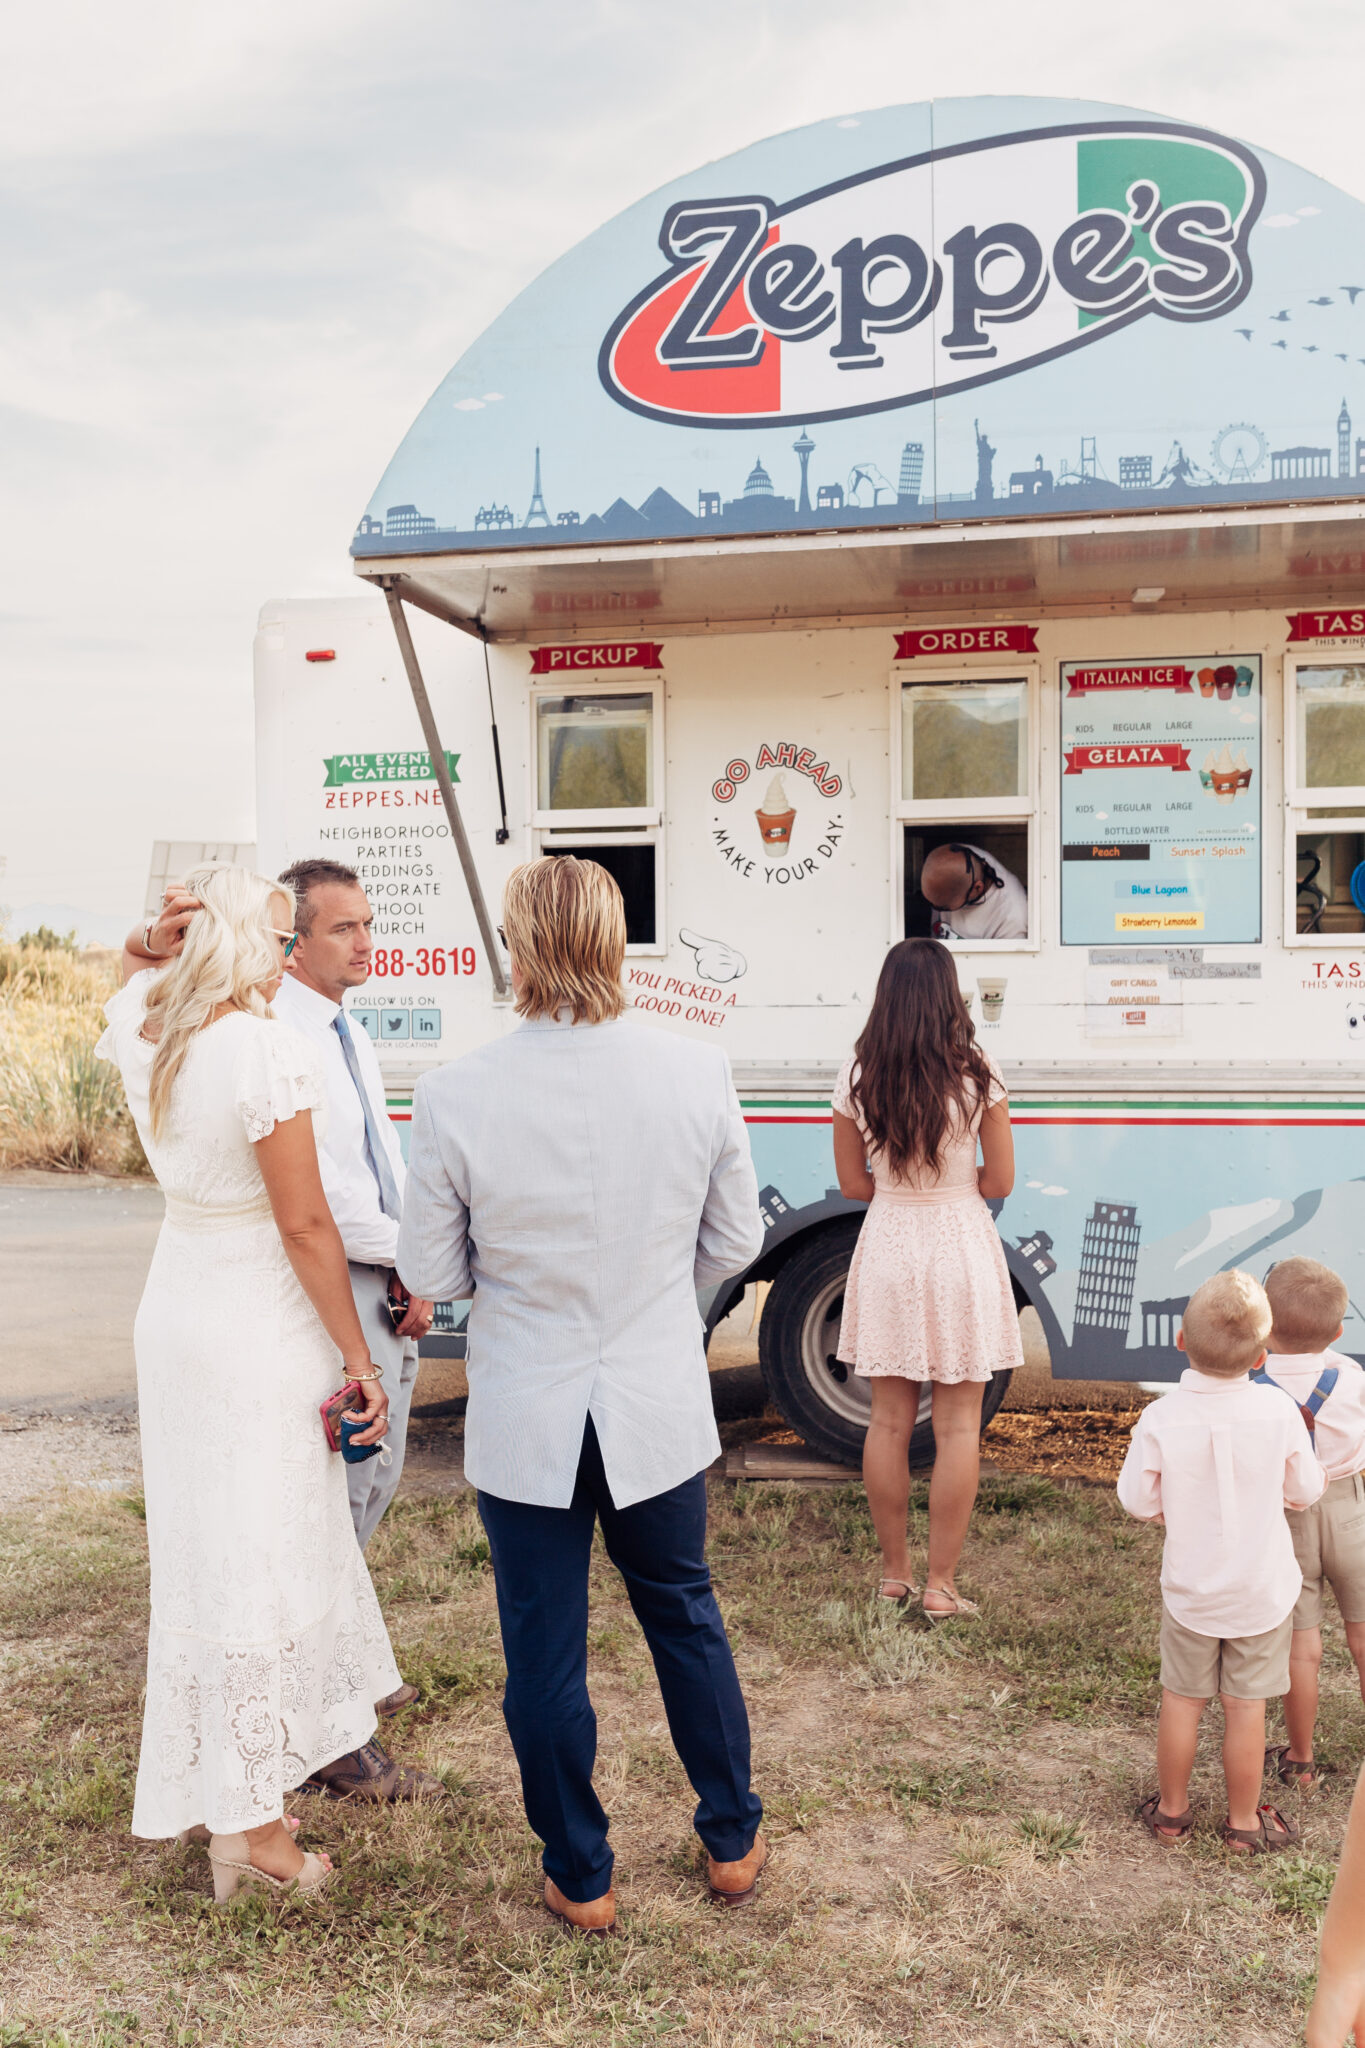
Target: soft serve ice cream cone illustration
<point>775,817</point>
<point>1224,776</point>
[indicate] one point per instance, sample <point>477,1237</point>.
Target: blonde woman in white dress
<point>267,1650</point>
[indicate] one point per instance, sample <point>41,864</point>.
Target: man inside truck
<point>970,896</point>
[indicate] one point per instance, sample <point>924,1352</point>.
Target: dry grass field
<point>954,1863</point>
<point>59,1105</point>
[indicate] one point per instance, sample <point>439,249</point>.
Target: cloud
<point>1280,220</point>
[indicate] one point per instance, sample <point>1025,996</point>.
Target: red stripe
<point>1306,1123</point>
<point>1215,1123</point>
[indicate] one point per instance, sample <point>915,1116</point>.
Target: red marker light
<point>321,654</point>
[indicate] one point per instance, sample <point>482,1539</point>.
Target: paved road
<point>74,1254</point>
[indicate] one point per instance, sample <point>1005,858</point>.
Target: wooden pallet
<point>797,1461</point>
<point>784,1461</point>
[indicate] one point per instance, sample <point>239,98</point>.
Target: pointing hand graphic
<point>715,960</point>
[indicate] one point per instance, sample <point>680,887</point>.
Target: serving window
<point>1324,800</point>
<point>597,790</point>
<point>966,760</point>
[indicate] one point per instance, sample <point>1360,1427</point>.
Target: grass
<point>59,1106</point>
<point>955,1861</point>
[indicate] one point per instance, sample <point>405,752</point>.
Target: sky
<point>241,245</point>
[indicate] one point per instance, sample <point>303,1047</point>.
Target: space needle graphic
<point>803,448</point>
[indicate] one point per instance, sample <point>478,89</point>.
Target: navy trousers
<point>540,1564</point>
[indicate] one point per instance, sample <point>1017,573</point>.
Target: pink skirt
<point>928,1294</point>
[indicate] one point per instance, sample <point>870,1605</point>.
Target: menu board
<point>1161,800</point>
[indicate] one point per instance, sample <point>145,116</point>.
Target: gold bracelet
<point>357,1377</point>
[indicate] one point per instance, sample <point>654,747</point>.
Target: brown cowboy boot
<point>731,1884</point>
<point>371,1773</point>
<point>588,1916</point>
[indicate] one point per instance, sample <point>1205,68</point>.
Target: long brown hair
<point>917,1059</point>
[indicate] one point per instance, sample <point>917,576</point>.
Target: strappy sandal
<point>959,1606</point>
<point>230,1859</point>
<point>1170,1829</point>
<point>1301,1777</point>
<point>908,1589</point>
<point>200,1835</point>
<point>1272,1831</point>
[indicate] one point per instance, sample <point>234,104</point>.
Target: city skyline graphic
<point>1236,461</point>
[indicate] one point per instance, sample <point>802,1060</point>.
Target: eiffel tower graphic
<point>537,516</point>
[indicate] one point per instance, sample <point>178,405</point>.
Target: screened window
<point>595,753</point>
<point>964,742</point>
<point>1329,725</point>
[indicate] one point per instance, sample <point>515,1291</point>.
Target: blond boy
<point>1308,1302</point>
<point>1217,1460</point>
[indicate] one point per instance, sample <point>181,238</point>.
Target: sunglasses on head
<point>291,939</point>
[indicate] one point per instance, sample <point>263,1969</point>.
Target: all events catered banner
<point>1160,801</point>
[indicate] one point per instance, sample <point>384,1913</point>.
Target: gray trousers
<point>372,1484</point>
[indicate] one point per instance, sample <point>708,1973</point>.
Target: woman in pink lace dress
<point>928,1294</point>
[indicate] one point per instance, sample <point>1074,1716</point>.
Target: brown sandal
<point>1302,1777</point>
<point>1272,1831</point>
<point>1170,1829</point>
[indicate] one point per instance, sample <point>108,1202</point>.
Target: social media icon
<point>394,1023</point>
<point>426,1023</point>
<point>368,1021</point>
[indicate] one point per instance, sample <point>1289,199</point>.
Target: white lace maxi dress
<point>266,1650</point>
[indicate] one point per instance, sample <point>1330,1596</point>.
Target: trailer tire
<point>822,1399</point>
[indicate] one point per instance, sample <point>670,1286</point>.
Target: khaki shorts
<point>1329,1543</point>
<point>1244,1667</point>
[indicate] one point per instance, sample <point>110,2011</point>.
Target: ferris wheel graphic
<point>1238,452</point>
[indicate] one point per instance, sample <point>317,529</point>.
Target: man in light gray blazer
<point>581,1178</point>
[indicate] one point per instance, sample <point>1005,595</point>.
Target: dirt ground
<point>955,1862</point>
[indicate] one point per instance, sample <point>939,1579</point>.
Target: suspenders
<point>1308,1409</point>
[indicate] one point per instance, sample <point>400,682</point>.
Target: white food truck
<point>982,474</point>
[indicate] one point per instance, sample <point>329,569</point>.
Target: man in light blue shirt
<point>582,1177</point>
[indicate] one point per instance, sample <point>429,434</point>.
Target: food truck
<point>983,475</point>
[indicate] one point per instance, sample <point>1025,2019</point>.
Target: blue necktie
<point>376,1158</point>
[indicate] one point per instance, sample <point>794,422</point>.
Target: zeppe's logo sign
<point>933,274</point>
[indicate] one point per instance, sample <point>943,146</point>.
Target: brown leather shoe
<point>589,1916</point>
<point>394,1702</point>
<point>371,1773</point>
<point>732,1884</point>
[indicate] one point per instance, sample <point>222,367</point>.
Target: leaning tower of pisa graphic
<point>1104,1290</point>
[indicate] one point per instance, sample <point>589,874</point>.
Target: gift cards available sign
<point>928,275</point>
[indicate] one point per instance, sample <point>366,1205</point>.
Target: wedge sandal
<point>1170,1829</point>
<point>1271,1832</point>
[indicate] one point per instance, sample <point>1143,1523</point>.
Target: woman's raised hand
<point>165,934</point>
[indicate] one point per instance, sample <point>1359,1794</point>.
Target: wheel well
<point>771,1261</point>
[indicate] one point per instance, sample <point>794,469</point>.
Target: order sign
<point>1161,801</point>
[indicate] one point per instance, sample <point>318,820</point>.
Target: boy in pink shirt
<point>1308,1302</point>
<point>1217,1460</point>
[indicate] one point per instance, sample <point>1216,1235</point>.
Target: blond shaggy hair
<point>1226,1324</point>
<point>566,930</point>
<point>1309,1303</point>
<point>229,956</point>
